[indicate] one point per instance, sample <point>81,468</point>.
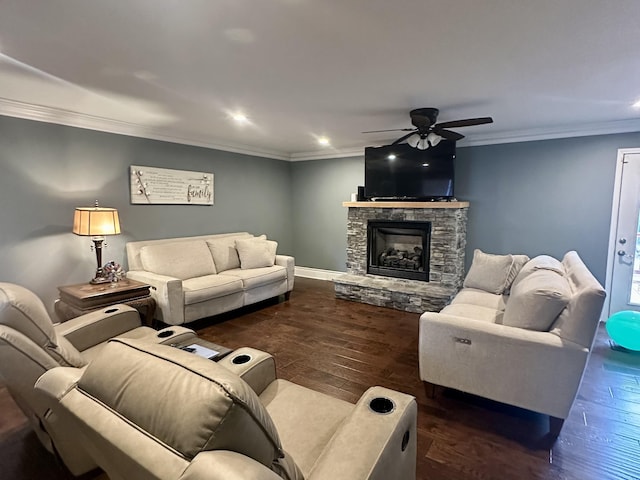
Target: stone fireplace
<point>420,244</point>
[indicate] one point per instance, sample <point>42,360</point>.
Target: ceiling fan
<point>427,133</point>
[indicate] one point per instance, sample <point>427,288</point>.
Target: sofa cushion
<point>208,287</point>
<point>257,277</point>
<point>290,406</point>
<point>474,296</point>
<point>224,253</point>
<point>474,312</point>
<point>178,259</point>
<point>256,252</point>
<point>489,272</point>
<point>537,300</point>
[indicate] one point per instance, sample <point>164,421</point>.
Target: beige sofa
<point>151,412</point>
<point>519,332</point>
<point>197,277</point>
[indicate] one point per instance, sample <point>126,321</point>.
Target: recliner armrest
<point>371,445</point>
<point>226,465</point>
<point>255,367</point>
<point>90,329</point>
<point>57,382</point>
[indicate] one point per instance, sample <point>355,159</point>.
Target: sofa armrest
<point>167,292</point>
<point>534,370</point>
<point>371,445</point>
<point>226,465</point>
<point>255,367</point>
<point>289,263</point>
<point>96,327</point>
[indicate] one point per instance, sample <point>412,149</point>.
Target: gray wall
<point>319,219</point>
<point>542,197</point>
<point>532,197</point>
<point>47,170</point>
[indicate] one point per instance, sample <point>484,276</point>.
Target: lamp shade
<point>96,221</point>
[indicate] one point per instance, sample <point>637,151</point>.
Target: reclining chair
<point>30,344</point>
<point>148,411</point>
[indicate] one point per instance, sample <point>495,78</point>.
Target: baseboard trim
<point>317,273</point>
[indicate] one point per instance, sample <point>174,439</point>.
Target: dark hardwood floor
<point>341,348</point>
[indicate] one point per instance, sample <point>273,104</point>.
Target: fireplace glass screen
<point>399,249</point>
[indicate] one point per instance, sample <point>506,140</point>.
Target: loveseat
<point>519,332</point>
<point>197,277</point>
<point>151,412</point>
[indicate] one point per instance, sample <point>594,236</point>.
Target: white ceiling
<point>299,69</point>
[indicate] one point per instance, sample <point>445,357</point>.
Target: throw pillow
<point>537,300</point>
<point>256,252</point>
<point>224,253</point>
<point>489,272</point>
<point>519,261</point>
<point>541,262</point>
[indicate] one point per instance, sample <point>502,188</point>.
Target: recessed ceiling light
<point>391,156</point>
<point>323,141</point>
<point>425,164</point>
<point>636,105</point>
<point>240,118</point>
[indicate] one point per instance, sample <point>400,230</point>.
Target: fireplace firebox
<point>399,249</point>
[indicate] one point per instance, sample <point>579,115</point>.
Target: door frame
<point>613,228</point>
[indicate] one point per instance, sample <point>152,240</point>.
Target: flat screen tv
<point>402,172</point>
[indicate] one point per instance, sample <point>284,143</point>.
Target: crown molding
<point>41,113</point>
<point>550,133</point>
<point>325,154</point>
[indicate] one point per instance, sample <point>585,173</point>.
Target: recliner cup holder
<point>382,405</point>
<point>240,359</point>
<point>165,333</point>
<point>111,310</point>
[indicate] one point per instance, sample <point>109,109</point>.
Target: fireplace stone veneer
<point>446,259</point>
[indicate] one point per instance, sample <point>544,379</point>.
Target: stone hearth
<point>446,266</point>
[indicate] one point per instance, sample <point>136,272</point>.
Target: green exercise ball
<point>624,328</point>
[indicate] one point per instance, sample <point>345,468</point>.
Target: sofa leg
<point>555,425</point>
<point>430,389</point>
<point>287,295</point>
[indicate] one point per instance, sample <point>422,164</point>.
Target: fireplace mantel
<point>398,204</point>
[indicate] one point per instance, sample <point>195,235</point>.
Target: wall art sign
<point>151,185</point>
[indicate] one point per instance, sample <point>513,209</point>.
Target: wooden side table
<point>76,300</point>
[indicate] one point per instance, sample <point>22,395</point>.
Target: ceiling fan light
<point>433,139</point>
<point>423,143</point>
<point>413,140</point>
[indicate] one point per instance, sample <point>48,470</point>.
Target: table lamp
<point>96,222</point>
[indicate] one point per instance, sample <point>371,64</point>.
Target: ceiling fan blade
<point>449,135</point>
<point>404,137</point>
<point>392,130</point>
<point>468,122</point>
